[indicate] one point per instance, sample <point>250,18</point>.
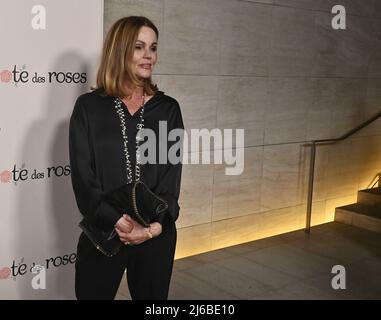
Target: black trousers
<point>149,268</point>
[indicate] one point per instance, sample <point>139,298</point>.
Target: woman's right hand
<point>124,225</point>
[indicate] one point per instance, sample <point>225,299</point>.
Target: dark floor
<point>288,266</point>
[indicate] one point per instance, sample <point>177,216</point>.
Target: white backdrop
<point>42,71</point>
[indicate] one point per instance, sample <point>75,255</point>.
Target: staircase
<point>366,213</point>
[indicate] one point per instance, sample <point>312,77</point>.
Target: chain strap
<point>140,126</point>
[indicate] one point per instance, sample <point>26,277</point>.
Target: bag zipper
<point>96,245</point>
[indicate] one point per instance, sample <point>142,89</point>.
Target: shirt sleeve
<point>86,187</point>
<point>170,180</point>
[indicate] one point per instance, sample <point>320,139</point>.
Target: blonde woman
<point>103,121</point>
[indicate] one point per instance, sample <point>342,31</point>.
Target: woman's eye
<point>154,49</point>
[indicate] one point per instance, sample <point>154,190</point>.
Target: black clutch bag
<point>106,241</point>
<point>134,199</point>
<point>138,201</point>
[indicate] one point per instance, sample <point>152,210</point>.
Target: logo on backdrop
<point>21,268</point>
<point>19,75</point>
<point>23,174</point>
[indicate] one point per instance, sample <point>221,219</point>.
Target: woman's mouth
<point>145,66</point>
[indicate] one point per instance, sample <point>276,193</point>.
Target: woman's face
<point>145,54</point>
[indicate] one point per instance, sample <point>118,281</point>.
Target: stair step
<point>363,209</point>
<point>370,197</point>
<point>373,190</point>
<point>359,215</point>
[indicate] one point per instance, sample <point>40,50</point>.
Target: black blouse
<point>97,158</point>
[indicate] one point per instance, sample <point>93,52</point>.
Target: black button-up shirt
<point>97,159</point>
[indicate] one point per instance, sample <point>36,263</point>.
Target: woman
<point>99,161</point>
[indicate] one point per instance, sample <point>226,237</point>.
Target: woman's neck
<point>137,94</point>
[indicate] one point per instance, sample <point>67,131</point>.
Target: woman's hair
<point>118,50</point>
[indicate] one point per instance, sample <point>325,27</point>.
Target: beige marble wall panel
<point>193,240</point>
<point>259,1</point>
<point>373,98</point>
<point>196,195</point>
<point>242,102</point>
<point>318,214</point>
<point>284,182</point>
<point>290,99</point>
<point>374,69</point>
<point>282,220</point>
<point>369,159</point>
<point>372,106</point>
<point>191,37</point>
<point>245,38</point>
<point>344,167</point>
<point>377,9</point>
<point>293,42</point>
<point>363,8</point>
<point>198,99</point>
<point>321,165</point>
<point>319,115</point>
<point>343,53</point>
<point>342,173</point>
<point>233,231</point>
<point>300,4</point>
<point>238,195</point>
<point>338,107</point>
